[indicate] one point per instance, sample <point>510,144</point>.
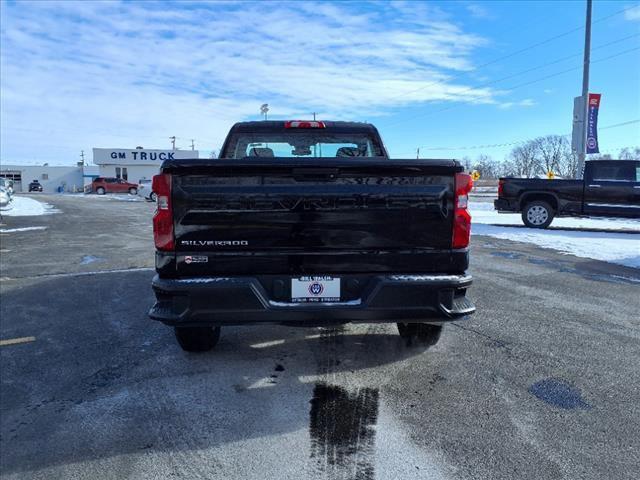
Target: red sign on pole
<point>592,123</point>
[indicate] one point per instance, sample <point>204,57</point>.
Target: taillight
<point>163,218</point>
<point>500,187</point>
<point>304,124</point>
<point>462,218</point>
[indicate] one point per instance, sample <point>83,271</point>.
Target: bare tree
<point>506,168</point>
<point>600,156</point>
<point>466,163</point>
<point>550,151</point>
<point>629,153</point>
<point>523,160</point>
<point>568,165</point>
<point>487,167</point>
<point>541,155</point>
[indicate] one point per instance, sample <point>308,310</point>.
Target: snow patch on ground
<point>28,207</point>
<point>483,212</point>
<point>620,248</point>
<point>609,246</point>
<point>87,259</point>
<point>121,197</point>
<point>23,229</point>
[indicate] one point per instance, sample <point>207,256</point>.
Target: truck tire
<point>153,197</point>
<point>100,191</point>
<point>197,339</point>
<point>133,191</point>
<point>420,333</point>
<point>537,214</point>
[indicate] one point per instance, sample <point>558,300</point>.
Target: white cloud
<point>633,13</point>
<point>527,102</point>
<point>77,75</point>
<point>478,11</point>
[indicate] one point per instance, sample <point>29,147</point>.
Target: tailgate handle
<point>315,173</point>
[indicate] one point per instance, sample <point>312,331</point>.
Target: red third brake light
<point>462,218</point>
<point>304,124</point>
<point>163,218</point>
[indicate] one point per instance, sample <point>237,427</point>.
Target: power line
<point>620,124</point>
<point>540,79</point>
<point>538,67</point>
<point>517,52</point>
<point>508,144</point>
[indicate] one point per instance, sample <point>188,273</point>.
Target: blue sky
<point>428,74</point>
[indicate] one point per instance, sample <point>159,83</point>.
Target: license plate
<point>315,289</point>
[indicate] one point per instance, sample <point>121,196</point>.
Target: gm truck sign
<point>138,156</point>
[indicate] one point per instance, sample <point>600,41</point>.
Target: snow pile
<point>28,207</point>
<point>609,246</point>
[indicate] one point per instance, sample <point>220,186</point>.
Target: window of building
<point>45,176</point>
<point>125,175</point>
<point>118,173</point>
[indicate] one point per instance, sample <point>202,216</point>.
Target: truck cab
<point>612,188</point>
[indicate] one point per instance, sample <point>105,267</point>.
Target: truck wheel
<point>420,333</point>
<point>153,197</point>
<point>537,214</point>
<point>100,191</point>
<point>133,191</point>
<point>197,339</point>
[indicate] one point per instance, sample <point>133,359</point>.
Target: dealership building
<point>137,164</point>
<point>52,178</point>
<point>131,165</point>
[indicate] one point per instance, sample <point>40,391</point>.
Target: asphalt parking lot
<point>542,383</point>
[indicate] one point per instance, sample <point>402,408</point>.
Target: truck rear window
<point>302,144</point>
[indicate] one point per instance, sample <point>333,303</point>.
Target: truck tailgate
<point>283,216</point>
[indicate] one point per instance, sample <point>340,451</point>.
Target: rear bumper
<point>245,300</point>
<point>504,205</point>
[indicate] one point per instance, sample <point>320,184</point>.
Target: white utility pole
<point>173,142</point>
<point>193,147</point>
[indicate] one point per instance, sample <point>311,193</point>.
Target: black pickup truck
<point>611,188</point>
<point>310,223</point>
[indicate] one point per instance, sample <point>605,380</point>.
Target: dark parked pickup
<point>309,223</point>
<point>611,188</point>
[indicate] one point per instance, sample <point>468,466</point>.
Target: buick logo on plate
<point>316,288</point>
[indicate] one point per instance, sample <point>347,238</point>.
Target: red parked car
<point>102,185</point>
